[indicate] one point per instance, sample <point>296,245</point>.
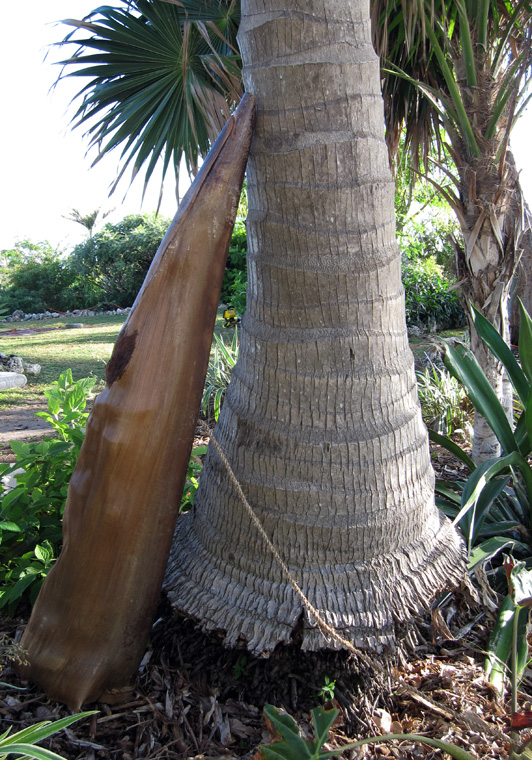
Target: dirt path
<point>19,423</point>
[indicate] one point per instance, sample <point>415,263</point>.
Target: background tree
<point>87,220</point>
<point>463,66</point>
<point>34,278</point>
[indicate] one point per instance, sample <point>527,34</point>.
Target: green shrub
<point>493,507</point>
<point>236,268</point>
<point>34,278</point>
<point>31,512</point>
<point>195,467</point>
<point>238,295</point>
<point>445,404</point>
<point>221,365</point>
<point>112,264</point>
<point>429,301</point>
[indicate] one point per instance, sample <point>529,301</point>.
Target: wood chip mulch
<point>193,698</point>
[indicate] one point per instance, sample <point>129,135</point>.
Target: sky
<point>45,171</point>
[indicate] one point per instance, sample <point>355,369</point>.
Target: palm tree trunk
<point>492,225</point>
<point>522,284</point>
<point>321,422</point>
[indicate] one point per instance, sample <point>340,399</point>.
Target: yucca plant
<point>494,506</point>
<point>23,743</point>
<point>221,365</point>
<point>163,78</point>
<point>444,403</point>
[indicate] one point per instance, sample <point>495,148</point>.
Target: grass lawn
<point>85,350</point>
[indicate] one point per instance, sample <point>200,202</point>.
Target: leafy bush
<point>195,467</point>
<point>218,375</point>
<point>35,277</point>
<point>112,264</point>
<point>429,235</point>
<point>428,299</point>
<point>235,276</point>
<point>238,295</point>
<point>31,512</point>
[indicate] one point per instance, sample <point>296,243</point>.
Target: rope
<point>323,626</point>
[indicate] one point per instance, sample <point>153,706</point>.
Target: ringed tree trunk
<point>492,218</point>
<point>321,422</point>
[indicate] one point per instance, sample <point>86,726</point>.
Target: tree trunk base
<point>363,601</point>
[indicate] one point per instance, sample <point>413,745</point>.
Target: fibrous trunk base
<point>363,601</point>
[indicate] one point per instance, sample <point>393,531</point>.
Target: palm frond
<point>163,78</point>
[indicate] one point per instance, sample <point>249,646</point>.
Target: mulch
<point>194,698</point>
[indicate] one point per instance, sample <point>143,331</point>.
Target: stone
<point>12,363</point>
<point>11,380</point>
<point>31,369</point>
<point>75,324</point>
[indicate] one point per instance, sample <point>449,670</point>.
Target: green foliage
<point>240,668</point>
<point>289,744</point>
<point>494,506</point>
<point>166,104</point>
<point>221,365</point>
<point>235,276</point>
<point>430,236</point>
<point>34,278</point>
<point>112,264</point>
<point>238,296</point>
<point>195,467</point>
<point>31,512</point>
<point>444,403</point>
<point>428,299</point>
<point>242,210</point>
<point>327,690</point>
<point>426,225</point>
<point>24,742</point>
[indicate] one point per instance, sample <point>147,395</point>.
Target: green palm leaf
<point>163,78</point>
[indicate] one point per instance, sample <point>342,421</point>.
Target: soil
<point>19,423</point>
<point>193,698</point>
